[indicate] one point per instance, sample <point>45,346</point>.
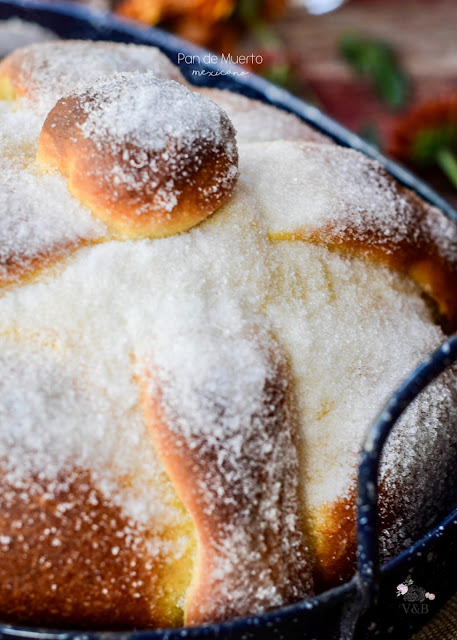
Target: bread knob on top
<point>149,157</point>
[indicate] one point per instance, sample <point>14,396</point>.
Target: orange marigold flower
<point>427,135</point>
<point>155,11</point>
<point>272,9</point>
<point>213,23</point>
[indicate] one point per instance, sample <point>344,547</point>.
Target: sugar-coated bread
<point>34,235</point>
<point>71,552</point>
<point>353,206</point>
<point>194,340</point>
<point>149,157</point>
<point>15,33</point>
<point>256,121</point>
<point>244,503</point>
<point>45,72</point>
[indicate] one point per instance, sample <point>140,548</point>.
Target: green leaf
<point>282,75</point>
<point>429,142</point>
<point>266,35</point>
<point>448,163</point>
<point>376,61</point>
<point>248,11</point>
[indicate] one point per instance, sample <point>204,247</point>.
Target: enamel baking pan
<point>367,606</point>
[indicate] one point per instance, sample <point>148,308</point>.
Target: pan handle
<point>368,558</point>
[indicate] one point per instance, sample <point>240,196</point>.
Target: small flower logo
<point>403,587</point>
<point>413,593</point>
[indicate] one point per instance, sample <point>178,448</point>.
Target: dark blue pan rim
<point>103,25</point>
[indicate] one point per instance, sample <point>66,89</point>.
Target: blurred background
<point>387,69</point>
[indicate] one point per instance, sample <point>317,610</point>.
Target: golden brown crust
<point>20,268</point>
<point>141,190</point>
<point>333,536</point>
<point>75,549</point>
<point>248,561</point>
<point>333,532</point>
<point>41,223</point>
<point>11,85</point>
<point>69,558</point>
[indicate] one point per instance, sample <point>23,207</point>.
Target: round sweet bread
<point>182,405</point>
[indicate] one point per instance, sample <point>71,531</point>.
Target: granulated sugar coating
<point>46,72</point>
<point>138,108</point>
<point>19,131</point>
<point>255,121</point>
<point>180,417</point>
<point>149,116</point>
<point>54,419</point>
<point>349,194</point>
<point>225,399</point>
<point>15,33</point>
<point>32,232</point>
